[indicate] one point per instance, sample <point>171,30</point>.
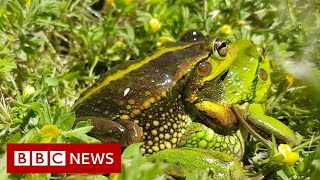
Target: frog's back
<point>133,86</point>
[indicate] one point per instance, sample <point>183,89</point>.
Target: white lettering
<point>76,159</point>
<point>85,157</point>
<point>109,158</point>
<point>96,158</point>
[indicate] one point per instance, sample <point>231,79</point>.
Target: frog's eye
<point>263,75</point>
<point>192,35</point>
<point>204,68</point>
<point>221,46</point>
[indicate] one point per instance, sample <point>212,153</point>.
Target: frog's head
<point>205,87</point>
<point>248,78</point>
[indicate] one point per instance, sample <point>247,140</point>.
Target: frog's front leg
<point>218,117</point>
<point>118,131</point>
<point>267,126</point>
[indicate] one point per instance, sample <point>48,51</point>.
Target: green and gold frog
<point>147,100</point>
<point>240,93</point>
<point>245,84</point>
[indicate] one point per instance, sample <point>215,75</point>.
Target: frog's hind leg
<point>119,131</point>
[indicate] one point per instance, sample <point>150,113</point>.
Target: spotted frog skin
<point>147,100</point>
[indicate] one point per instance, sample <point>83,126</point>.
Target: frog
<point>241,93</point>
<point>246,84</point>
<point>145,100</point>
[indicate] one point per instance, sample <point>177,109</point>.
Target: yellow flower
<point>154,24</point>
<point>290,157</point>
<point>289,78</point>
<point>28,90</point>
<point>119,44</point>
<point>49,131</point>
<point>114,176</point>
<point>29,2</point>
<point>226,29</point>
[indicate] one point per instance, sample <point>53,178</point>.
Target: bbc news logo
<point>63,158</point>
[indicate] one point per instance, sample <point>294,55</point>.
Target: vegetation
<point>51,50</point>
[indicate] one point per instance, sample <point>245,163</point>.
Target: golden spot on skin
<point>174,145</point>
<point>161,129</point>
<point>142,150</point>
<point>161,136</point>
<point>131,101</point>
<point>171,110</point>
<point>150,151</point>
<point>128,106</point>
<point>163,94</point>
<point>179,135</point>
<point>174,140</point>
<point>224,146</point>
<point>124,117</point>
<point>155,123</point>
<point>167,136</point>
<point>171,131</point>
<point>150,143</point>
<point>154,132</point>
<point>145,133</point>
<point>156,139</point>
<point>150,116</point>
<point>146,104</point>
<point>179,96</point>
<point>158,97</point>
<point>179,116</point>
<point>136,111</point>
<point>167,144</point>
<point>165,126</point>
<point>147,124</point>
<point>162,146</point>
<point>175,134</point>
<point>161,109</point>
<point>163,115</point>
<point>155,148</point>
<point>152,100</point>
<point>169,123</point>
<point>136,121</point>
<point>175,126</point>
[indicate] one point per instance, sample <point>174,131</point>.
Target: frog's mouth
<point>213,90</point>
